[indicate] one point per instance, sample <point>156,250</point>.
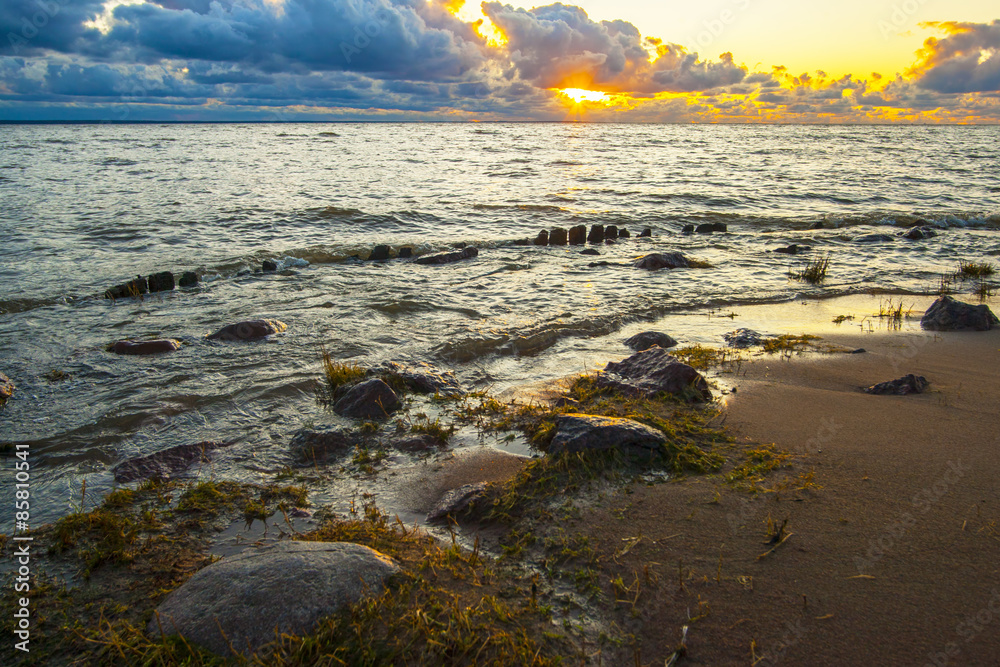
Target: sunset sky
<point>603,60</point>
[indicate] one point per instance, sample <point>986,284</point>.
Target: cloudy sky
<point>924,61</point>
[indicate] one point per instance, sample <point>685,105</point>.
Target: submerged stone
<point>188,279</point>
<point>449,257</point>
<point>742,338</point>
<point>161,282</point>
<point>249,330</point>
<point>660,260</point>
<point>318,445</point>
<point>165,463</point>
<point>145,347</point>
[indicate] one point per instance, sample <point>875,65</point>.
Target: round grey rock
<point>245,601</point>
<point>647,339</point>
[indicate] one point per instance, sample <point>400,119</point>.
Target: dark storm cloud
<point>966,61</point>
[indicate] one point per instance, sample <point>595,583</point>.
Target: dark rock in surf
<point>646,233</point>
<point>624,233</point>
<point>406,252</point>
<point>449,257</point>
<point>947,314</point>
<point>456,502</point>
<point>558,236</point>
<point>793,249</point>
<point>318,445</point>
<point>610,233</point>
<point>600,263</point>
<point>743,338</point>
<point>242,602</point>
<point>248,330</point>
<point>647,339</point>
<point>577,235</point>
<point>919,234</point>
<point>269,266</point>
<point>368,399</point>
<point>908,384</point>
<point>161,282</point>
<point>873,238</point>
<point>145,347</point>
<point>165,463</point>
<point>380,253</point>
<point>132,288</point>
<point>542,238</point>
<point>7,387</point>
<point>596,234</point>
<point>817,225</point>
<point>711,227</point>
<point>657,261</point>
<point>654,371</point>
<point>579,433</point>
<point>687,229</point>
<point>188,279</point>
<point>590,251</point>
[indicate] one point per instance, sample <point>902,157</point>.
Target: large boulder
<point>577,433</point>
<point>661,260</point>
<point>908,384</point>
<point>558,236</point>
<point>578,235</point>
<point>652,372</point>
<point>456,501</point>
<point>6,388</point>
<point>317,445</point>
<point>947,314</point>
<point>245,601</point>
<point>647,339</point>
<point>165,463</point>
<point>624,233</point>
<point>449,257</point>
<point>143,347</point>
<point>542,238</point>
<point>610,233</point>
<point>596,234</point>
<point>249,330</point>
<point>369,399</point>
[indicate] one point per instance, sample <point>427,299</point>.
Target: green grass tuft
<point>814,271</point>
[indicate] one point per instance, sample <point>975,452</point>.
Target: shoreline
<point>868,569</point>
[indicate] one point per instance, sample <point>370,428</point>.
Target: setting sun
<point>580,95</point>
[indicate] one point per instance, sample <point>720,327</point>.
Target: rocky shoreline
<point>638,418</point>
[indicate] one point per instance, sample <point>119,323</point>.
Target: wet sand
<point>894,561</point>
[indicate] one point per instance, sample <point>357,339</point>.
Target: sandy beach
<point>895,560</point>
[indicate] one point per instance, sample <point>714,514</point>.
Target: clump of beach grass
<point>814,271</point>
<point>975,269</point>
<point>840,319</point>
<point>336,374</point>
<point>786,344</point>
